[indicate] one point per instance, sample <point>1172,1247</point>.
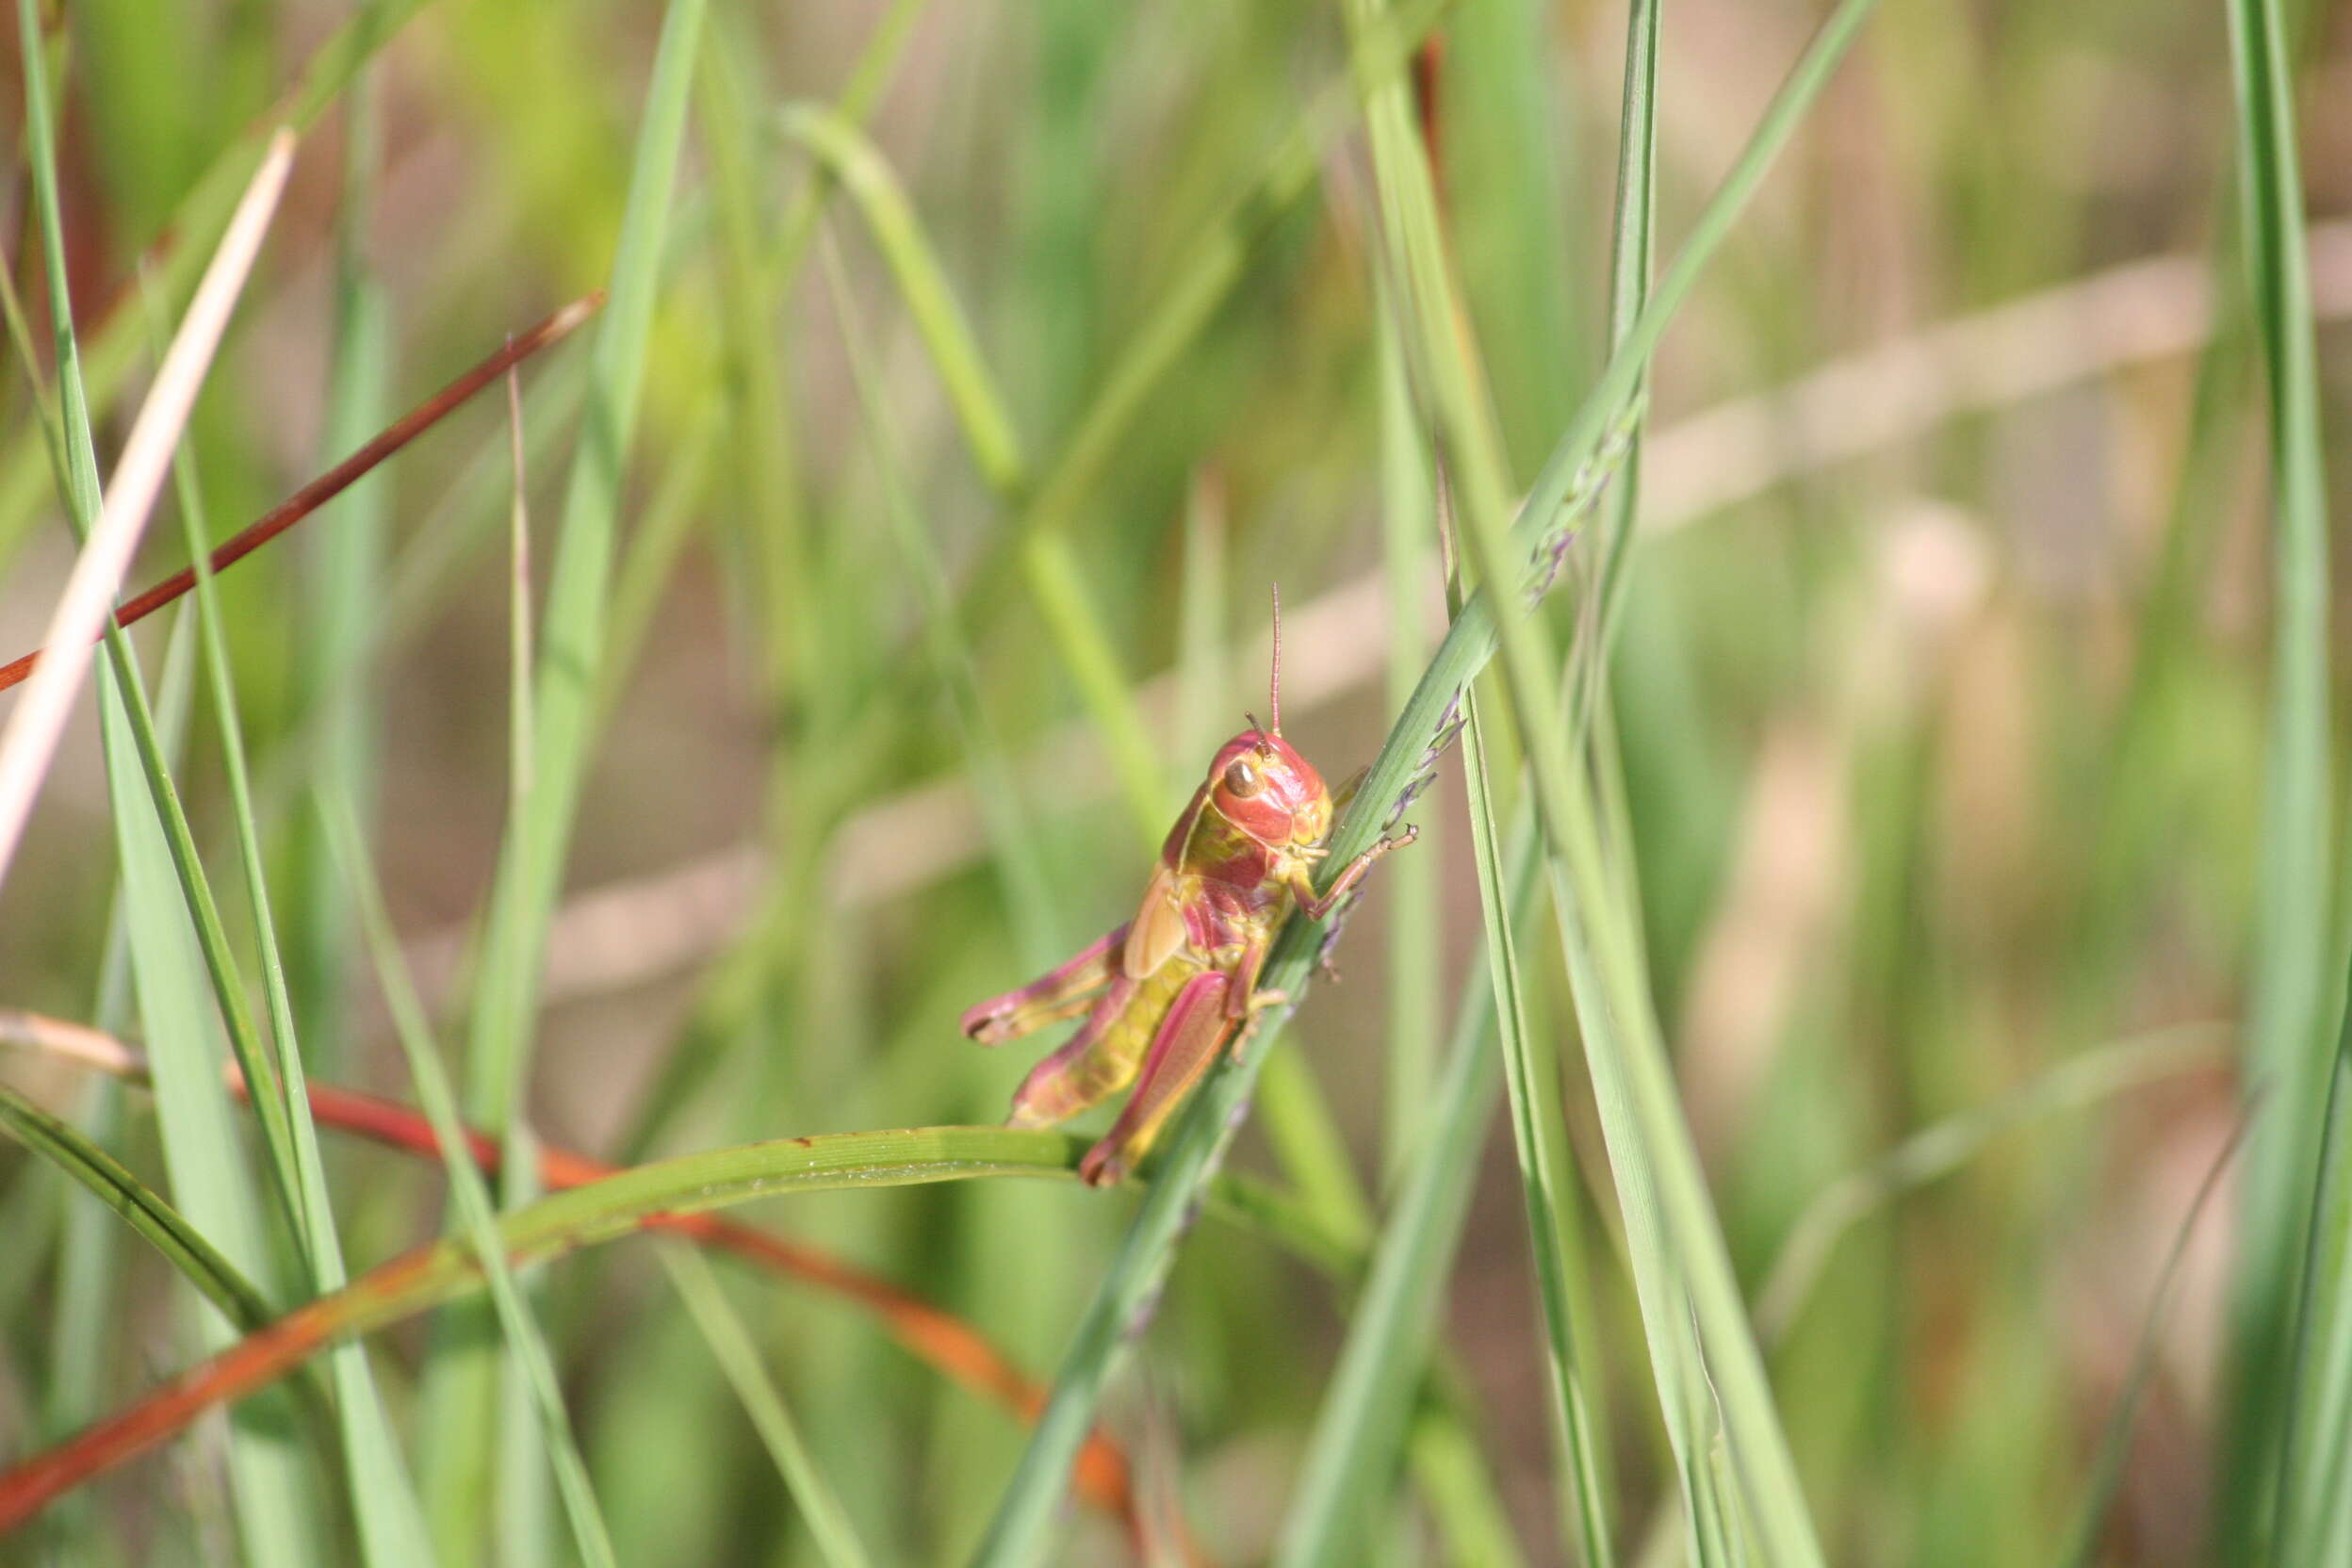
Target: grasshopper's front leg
<point>1056,994</point>
<point>1302,879</point>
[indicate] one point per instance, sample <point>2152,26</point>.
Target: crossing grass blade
<point>1368,1408</point>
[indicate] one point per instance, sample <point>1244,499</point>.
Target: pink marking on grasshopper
<point>1166,993</point>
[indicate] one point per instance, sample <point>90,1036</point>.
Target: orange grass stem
<point>311,496</point>
<point>441,1270</point>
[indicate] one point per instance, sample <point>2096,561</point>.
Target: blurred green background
<point>1940,696</point>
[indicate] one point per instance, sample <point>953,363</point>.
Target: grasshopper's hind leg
<point>1096,1062</point>
<point>1056,994</point>
<point>1188,1042</point>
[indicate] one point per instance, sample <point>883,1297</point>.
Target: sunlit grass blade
<point>113,529</point>
<point>952,1347</point>
<point>2289,1045</point>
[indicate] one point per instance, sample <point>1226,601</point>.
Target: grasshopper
<point>1163,993</point>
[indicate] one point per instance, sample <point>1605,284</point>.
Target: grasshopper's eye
<point>1242,779</point>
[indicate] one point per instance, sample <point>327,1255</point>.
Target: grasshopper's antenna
<point>1274,693</point>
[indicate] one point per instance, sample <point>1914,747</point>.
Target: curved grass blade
<point>469,1193</point>
<point>182,1245</point>
<point>646,1197</point>
<point>939,1339</point>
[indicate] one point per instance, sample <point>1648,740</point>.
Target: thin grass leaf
<point>1414,949</point>
<point>342,575</point>
<point>731,1344</point>
<point>1947,1146</point>
<point>1029,899</point>
<point>391,1524</point>
<point>182,1245</point>
<point>852,161</point>
<point>1532,1071</point>
<point>502,1018</point>
<point>469,1193</point>
<point>1361,1429</point>
<point>2114,1444</point>
<point>2289,1047</point>
<point>210,1177</point>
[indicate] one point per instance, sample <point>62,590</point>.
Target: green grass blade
<point>208,1175</point>
<point>503,1018</point>
<point>391,1524</point>
<point>2290,1048</point>
<point>1415,950</point>
<point>1012,838</point>
<point>1361,1429</point>
<point>182,1245</point>
<point>469,1194</point>
<point>738,1356</point>
<point>342,572</point>
<point>852,161</point>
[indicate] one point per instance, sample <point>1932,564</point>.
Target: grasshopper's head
<point>1261,785</point>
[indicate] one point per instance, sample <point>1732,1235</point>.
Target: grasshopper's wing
<point>1158,932</point>
<point>1186,1043</point>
